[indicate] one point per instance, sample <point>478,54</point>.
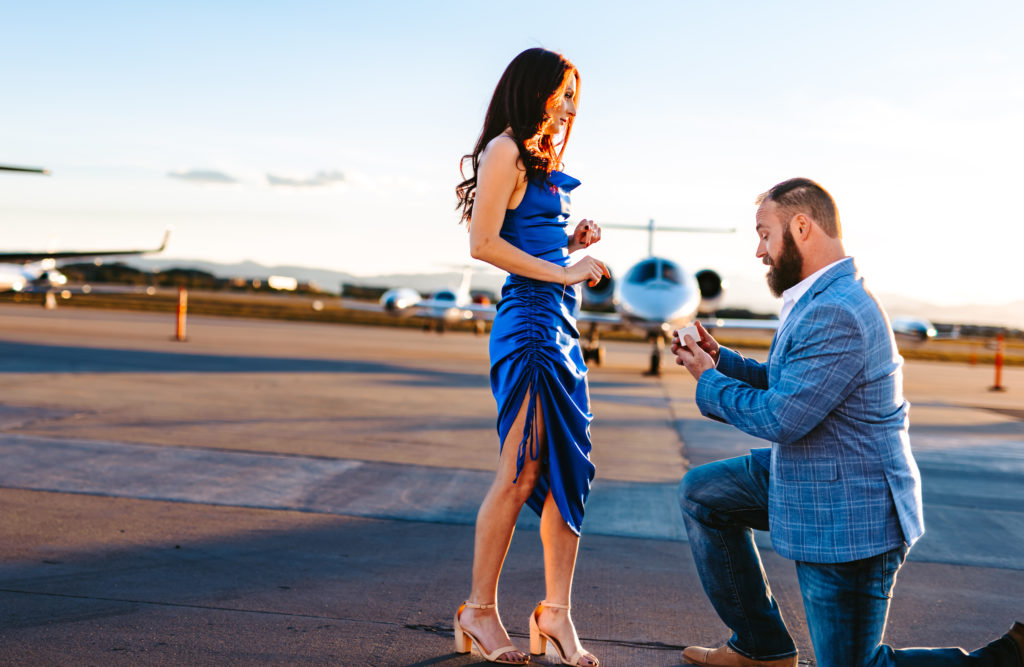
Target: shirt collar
<point>794,293</point>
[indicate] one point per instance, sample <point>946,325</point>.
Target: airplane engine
<point>400,300</point>
<point>49,279</point>
<point>602,295</point>
<point>712,288</point>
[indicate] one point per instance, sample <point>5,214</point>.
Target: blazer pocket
<point>808,470</point>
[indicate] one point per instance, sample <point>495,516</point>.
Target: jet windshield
<point>644,272</point>
<point>652,269</point>
<point>670,273</point>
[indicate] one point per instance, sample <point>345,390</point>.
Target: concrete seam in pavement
<point>677,424</point>
<point>184,605</point>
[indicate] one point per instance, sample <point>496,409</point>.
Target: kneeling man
<point>839,487</point>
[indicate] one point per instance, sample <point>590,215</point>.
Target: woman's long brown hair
<point>520,102</point>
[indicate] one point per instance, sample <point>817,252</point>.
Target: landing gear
<point>655,368</point>
<point>592,348</point>
<point>594,353</point>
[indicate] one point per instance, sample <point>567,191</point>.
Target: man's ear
<point>800,226</point>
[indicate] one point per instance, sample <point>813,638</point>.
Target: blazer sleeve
<point>734,365</point>
<point>818,371</point>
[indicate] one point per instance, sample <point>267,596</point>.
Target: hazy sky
<point>329,134</point>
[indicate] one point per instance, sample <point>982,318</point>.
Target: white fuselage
<point>18,277</point>
<point>657,296</point>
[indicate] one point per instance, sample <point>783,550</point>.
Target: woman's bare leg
<point>495,523</point>
<point>560,547</point>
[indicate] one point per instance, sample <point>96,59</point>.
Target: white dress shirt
<point>793,294</point>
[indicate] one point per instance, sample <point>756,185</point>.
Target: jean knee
<point>694,485</point>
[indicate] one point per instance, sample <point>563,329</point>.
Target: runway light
<point>150,290</point>
<point>65,294</point>
<point>86,289</point>
<point>318,305</point>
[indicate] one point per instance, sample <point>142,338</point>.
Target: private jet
<point>446,306</point>
<point>37,271</point>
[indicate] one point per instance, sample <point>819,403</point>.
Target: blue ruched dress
<point>534,347</point>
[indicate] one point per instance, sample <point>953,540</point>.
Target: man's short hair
<point>802,195</point>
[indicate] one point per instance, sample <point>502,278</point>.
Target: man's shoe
<point>726,657</point>
<point>1016,633</point>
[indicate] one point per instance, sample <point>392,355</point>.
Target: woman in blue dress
<point>516,203</point>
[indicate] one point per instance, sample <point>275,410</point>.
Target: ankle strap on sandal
<point>474,605</point>
<point>553,605</point>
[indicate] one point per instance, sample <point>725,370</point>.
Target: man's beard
<point>784,272</point>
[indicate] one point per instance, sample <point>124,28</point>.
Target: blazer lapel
<point>846,267</point>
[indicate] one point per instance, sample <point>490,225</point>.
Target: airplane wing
<point>608,319</point>
<point>480,311</point>
<point>616,320</point>
<point>26,170</point>
<point>736,323</point>
<point>29,257</point>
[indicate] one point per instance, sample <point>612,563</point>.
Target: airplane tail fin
<point>467,278</point>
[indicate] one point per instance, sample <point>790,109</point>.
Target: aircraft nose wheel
<point>594,353</point>
<point>655,368</point>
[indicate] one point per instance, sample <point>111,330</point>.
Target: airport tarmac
<point>278,492</point>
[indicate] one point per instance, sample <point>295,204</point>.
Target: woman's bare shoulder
<point>502,152</point>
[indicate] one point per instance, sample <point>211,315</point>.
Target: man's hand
<point>707,343</point>
<point>696,356</point>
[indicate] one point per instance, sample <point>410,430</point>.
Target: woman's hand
<point>589,269</point>
<point>586,234</point>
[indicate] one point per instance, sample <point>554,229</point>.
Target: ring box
<point>691,331</point>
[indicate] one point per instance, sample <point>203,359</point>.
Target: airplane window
<point>670,273</point>
<point>644,272</point>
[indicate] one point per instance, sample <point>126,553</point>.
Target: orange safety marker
<point>179,333</point>
<point>998,386</point>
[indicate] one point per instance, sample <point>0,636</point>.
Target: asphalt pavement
<point>292,493</point>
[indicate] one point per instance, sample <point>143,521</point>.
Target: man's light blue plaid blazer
<point>843,482</point>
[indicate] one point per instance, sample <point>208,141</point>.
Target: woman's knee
<point>518,490</point>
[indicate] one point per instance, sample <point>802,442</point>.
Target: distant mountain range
<point>327,279</point>
<point>741,293</point>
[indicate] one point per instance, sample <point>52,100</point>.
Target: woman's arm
<point>497,177</point>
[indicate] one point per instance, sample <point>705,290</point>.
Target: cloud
<point>321,179</point>
<point>203,176</point>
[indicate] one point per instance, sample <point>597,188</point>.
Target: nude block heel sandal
<point>464,640</point>
<point>539,640</point>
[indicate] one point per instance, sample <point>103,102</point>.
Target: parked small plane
<point>37,271</point>
<point>446,306</point>
<point>913,328</point>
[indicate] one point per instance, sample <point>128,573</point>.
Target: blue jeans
<point>846,604</point>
